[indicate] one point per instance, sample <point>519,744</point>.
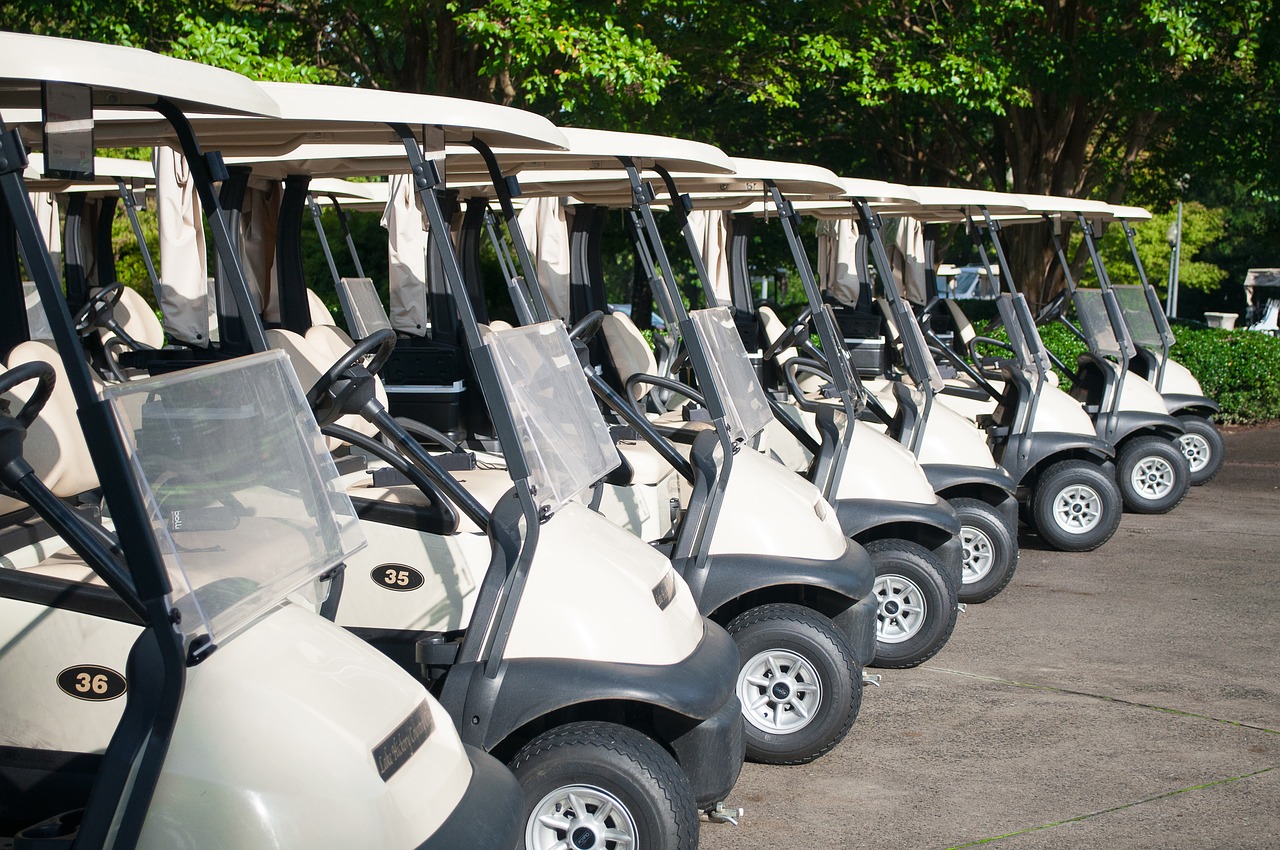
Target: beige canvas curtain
<point>259,219</point>
<point>837,260</point>
<point>184,263</point>
<point>908,260</point>
<point>711,232</point>
<point>406,257</point>
<point>546,231</point>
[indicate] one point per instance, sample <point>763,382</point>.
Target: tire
<point>781,644</point>
<point>1203,448</point>
<point>1076,505</point>
<point>622,779</point>
<point>1153,474</point>
<point>990,550</point>
<point>918,607</point>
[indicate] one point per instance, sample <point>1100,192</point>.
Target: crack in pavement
<point>1101,698</point>
<point>1104,698</point>
<point>1112,809</point>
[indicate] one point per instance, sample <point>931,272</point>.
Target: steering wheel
<point>587,326</point>
<point>43,374</point>
<point>379,344</point>
<point>1051,311</point>
<point>790,335</point>
<point>97,311</point>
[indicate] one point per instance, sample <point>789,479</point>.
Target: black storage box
<point>437,405</point>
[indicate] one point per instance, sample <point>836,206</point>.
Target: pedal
<point>719,814</point>
<point>872,679</point>
<point>961,607</point>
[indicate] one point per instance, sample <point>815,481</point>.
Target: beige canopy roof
<point>325,115</point>
<point>121,77</point>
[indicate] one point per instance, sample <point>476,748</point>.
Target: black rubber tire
<point>812,636</point>
<point>1207,431</point>
<point>1139,449</point>
<point>627,764</point>
<point>1076,473</point>
<point>987,522</point>
<point>905,559</point>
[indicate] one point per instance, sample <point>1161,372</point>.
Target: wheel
<point>1076,506</point>
<point>990,550</point>
<point>601,785</point>
<point>1203,448</point>
<point>799,685</point>
<point>1153,475</point>
<point>917,607</point>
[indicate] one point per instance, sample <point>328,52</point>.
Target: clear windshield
<point>1146,322</point>
<point>37,321</point>
<point>1092,313</point>
<point>905,330</point>
<point>362,307</point>
<point>1024,337</point>
<point>564,437</point>
<point>243,496</point>
<point>746,405</point>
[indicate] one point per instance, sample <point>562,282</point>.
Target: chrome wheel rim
<point>1077,509</point>
<point>580,817</point>
<point>780,691</point>
<point>1152,477</point>
<point>979,554</point>
<point>902,610</point>
<point>1196,450</point>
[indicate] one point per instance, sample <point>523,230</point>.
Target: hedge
<point>1239,369</point>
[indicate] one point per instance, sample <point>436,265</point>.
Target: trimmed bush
<point>1239,369</point>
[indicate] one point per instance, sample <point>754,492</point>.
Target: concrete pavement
<point>1123,698</point>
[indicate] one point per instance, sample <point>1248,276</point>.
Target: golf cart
<point>466,587</point>
<point>1153,337</point>
<point>1151,469</point>
<point>1040,435</point>
<point>165,683</point>
<point>805,693</point>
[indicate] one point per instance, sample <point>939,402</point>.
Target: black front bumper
<point>488,815</point>
<point>710,753</point>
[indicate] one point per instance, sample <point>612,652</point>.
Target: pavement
<point>1122,698</point>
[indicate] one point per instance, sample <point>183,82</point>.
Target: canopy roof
<point>942,204</point>
<point>121,77</point>
<point>333,115</point>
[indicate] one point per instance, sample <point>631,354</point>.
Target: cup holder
<point>58,831</point>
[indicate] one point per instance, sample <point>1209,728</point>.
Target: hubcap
<point>979,554</point>
<point>780,691</point>
<point>902,609</point>
<point>1152,477</point>
<point>1077,509</point>
<point>579,817</point>
<point>1196,449</point>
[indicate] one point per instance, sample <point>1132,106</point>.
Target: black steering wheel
<point>43,374</point>
<point>98,310</point>
<point>587,326</point>
<point>1053,310</point>
<point>379,344</point>
<point>790,335</point>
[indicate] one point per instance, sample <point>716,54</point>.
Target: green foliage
<point>1202,228</point>
<point>568,53</point>
<point>1240,369</point>
<point>240,48</point>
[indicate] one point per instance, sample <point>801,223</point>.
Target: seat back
<point>320,314</point>
<point>139,321</point>
<point>964,328</point>
<point>627,348</point>
<point>55,445</point>
<point>774,328</point>
<point>311,356</point>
